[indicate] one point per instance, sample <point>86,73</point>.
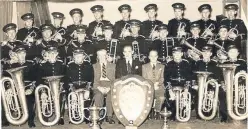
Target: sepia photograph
<point>124,64</point>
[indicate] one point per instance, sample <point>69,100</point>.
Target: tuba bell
<point>47,100</point>
<point>13,97</point>
<point>236,93</point>
<point>207,99</point>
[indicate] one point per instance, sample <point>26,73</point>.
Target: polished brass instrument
<point>31,34</point>
<point>152,32</point>
<point>181,28</point>
<point>136,54</point>
<point>124,29</point>
<point>13,97</point>
<point>210,28</point>
<point>61,31</point>
<point>47,100</point>
<point>207,99</point>
<point>194,49</point>
<point>113,49</point>
<point>236,92</point>
<point>96,29</point>
<point>231,31</point>
<point>73,34</point>
<point>221,49</point>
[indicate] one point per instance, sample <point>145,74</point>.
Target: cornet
<point>231,31</point>
<point>32,34</point>
<point>124,29</point>
<point>210,28</point>
<point>181,28</point>
<point>97,28</point>
<point>61,31</point>
<point>152,32</point>
<point>195,50</point>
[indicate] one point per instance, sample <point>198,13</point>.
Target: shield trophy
<point>132,98</point>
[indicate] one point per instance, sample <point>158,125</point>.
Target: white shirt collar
<point>130,61</point>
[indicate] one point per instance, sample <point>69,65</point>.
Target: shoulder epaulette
<point>224,19</point>
<point>30,61</point>
<point>142,36</point>
<point>70,62</point>
<point>185,60</point>
<point>60,61</point>
<point>214,60</point>
<point>242,60</point>
<point>42,62</point>
<point>19,40</point>
<point>88,40</point>
<point>35,27</point>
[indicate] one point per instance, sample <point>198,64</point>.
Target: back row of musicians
<point>94,54</point>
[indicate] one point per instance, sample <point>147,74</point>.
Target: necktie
<point>129,67</point>
<point>104,73</point>
<point>153,72</point>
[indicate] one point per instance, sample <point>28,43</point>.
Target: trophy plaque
<point>132,98</point>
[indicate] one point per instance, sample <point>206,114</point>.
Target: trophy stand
<point>95,116</point>
<point>165,114</point>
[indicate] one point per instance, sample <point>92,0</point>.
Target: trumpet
<point>207,99</point>
<point>231,31</point>
<point>47,100</point>
<point>152,32</point>
<point>94,34</point>
<point>124,29</point>
<point>32,34</point>
<point>113,49</point>
<point>236,93</point>
<point>14,99</point>
<point>181,28</point>
<point>210,28</point>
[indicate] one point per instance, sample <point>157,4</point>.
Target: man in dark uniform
<point>137,41</point>
<point>77,15</point>
<point>208,26</point>
<point>107,42</point>
<point>28,77</point>
<point>10,43</point>
<point>177,73</point>
<point>95,28</point>
<point>178,21</point>
<point>52,66</point>
<point>128,65</point>
<point>81,42</point>
<point>163,44</point>
<point>149,27</point>
<point>119,31</point>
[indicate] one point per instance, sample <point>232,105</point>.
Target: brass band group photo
<point>125,72</point>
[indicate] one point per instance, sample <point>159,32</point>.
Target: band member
<point>177,72</point>
<point>136,40</point>
<point>122,27</point>
<point>19,54</point>
<point>11,42</point>
<point>154,71</point>
<point>208,26</point>
<point>233,23</point>
<point>128,65</point>
<point>178,26</point>
<point>95,28</point>
<point>81,42</point>
<point>30,33</point>
<point>163,44</point>
<point>52,66</point>
<point>77,16</point>
<point>149,27</point>
<point>104,77</point>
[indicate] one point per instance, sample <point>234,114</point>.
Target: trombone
<point>124,29</point>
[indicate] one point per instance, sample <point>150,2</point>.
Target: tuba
<point>47,100</point>
<point>236,93</point>
<point>207,99</point>
<point>113,49</point>
<point>14,99</point>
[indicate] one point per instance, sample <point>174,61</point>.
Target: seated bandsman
<point>10,43</point>
<point>104,76</point>
<point>177,73</point>
<point>77,16</point>
<point>136,40</point>
<point>128,65</point>
<point>19,54</point>
<point>82,43</point>
<point>178,26</point>
<point>95,28</point>
<point>122,27</point>
<point>149,27</point>
<point>163,44</point>
<point>52,66</point>
<point>154,71</point>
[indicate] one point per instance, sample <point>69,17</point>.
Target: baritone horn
<point>236,91</point>
<point>14,99</point>
<point>207,98</point>
<point>47,100</point>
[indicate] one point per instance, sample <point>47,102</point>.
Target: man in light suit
<point>104,77</point>
<point>128,65</point>
<point>154,71</point>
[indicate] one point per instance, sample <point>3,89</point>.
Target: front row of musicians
<point>176,72</point>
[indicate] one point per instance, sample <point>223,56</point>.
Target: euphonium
<point>14,99</point>
<point>207,99</point>
<point>48,102</point>
<point>235,91</point>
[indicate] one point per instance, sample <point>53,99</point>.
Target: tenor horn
<point>14,99</point>
<point>236,94</point>
<point>207,99</point>
<point>48,102</point>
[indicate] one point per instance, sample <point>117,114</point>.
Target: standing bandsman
<point>104,76</point>
<point>149,27</point>
<point>94,31</point>
<point>77,17</point>
<point>163,44</point>
<point>208,26</point>
<point>122,27</point>
<point>178,26</point>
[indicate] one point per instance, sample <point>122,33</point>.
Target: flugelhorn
<point>235,92</point>
<point>47,100</point>
<point>124,29</point>
<point>207,99</point>
<point>210,28</point>
<point>14,99</point>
